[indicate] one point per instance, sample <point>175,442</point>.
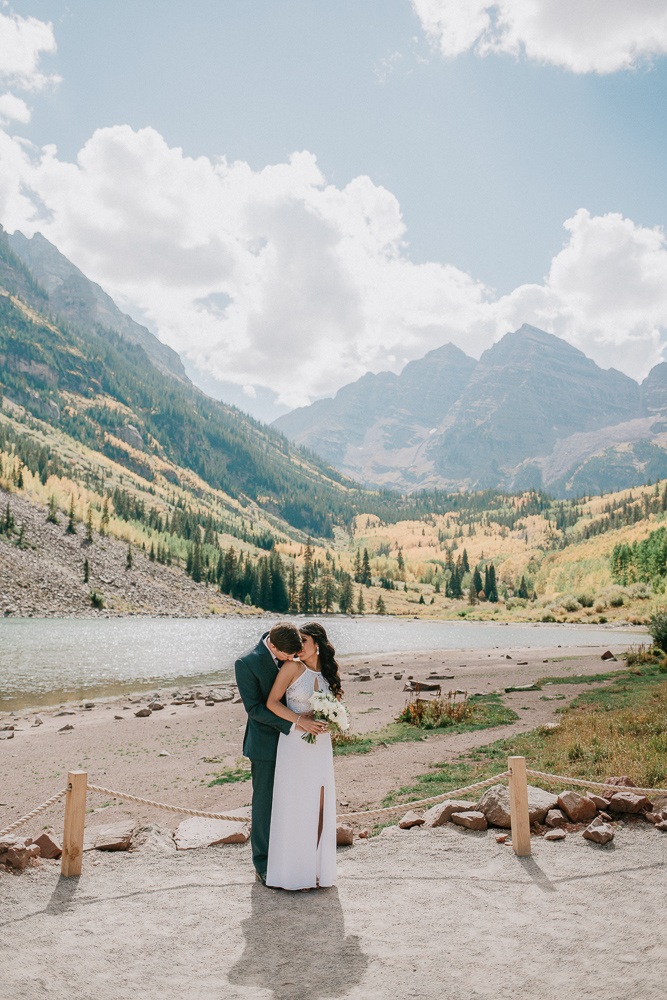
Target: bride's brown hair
<point>327,653</point>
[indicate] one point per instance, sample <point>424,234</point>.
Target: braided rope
<point>163,805</point>
<point>35,812</point>
<point>425,802</point>
<point>594,784</point>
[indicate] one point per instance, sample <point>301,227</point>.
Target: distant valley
<point>533,412</point>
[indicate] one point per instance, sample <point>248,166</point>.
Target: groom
<point>256,671</point>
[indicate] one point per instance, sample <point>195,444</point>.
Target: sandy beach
<point>174,754</point>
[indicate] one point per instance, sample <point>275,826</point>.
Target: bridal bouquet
<point>328,708</point>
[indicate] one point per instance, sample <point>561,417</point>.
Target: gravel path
<point>420,914</point>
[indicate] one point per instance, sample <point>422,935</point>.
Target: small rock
<point>501,838</point>
<point>387,831</point>
<point>237,700</point>
<point>200,832</point>
<point>143,713</point>
<point>554,835</point>
<point>37,722</point>
<point>442,812</point>
<point>66,728</point>
<point>597,800</point>
<point>411,818</point>
<point>89,704</point>
<point>119,718</point>
<point>472,820</point>
<point>653,817</point>
<point>661,826</point>
<point>116,837</point>
<point>607,655</point>
<point>578,808</point>
<point>555,818</point>
<point>16,856</point>
<point>153,838</point>
<point>49,845</point>
<point>622,780</point>
<point>58,714</point>
<point>155,706</point>
<point>605,816</point>
<point>398,676</point>
<point>598,832</point>
<point>9,735</point>
<point>629,802</point>
<point>364,834</point>
<point>344,835</point>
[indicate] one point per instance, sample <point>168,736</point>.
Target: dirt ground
<point>417,914</point>
<point>124,754</point>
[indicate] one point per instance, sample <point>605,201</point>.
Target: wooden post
<point>75,818</point>
<point>518,782</point>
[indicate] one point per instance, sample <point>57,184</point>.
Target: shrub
<point>657,628</point>
<point>586,600</point>
<point>96,600</point>
<point>570,603</point>
<point>548,617</point>
<point>640,591</point>
<point>617,600</point>
<point>600,604</point>
<point>438,712</point>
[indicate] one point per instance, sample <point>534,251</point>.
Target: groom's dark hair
<point>286,637</point>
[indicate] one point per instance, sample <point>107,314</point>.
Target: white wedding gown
<point>296,859</point>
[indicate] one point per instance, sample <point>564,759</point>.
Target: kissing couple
<point>293,834</point>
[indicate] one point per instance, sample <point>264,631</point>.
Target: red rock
<point>364,834</point>
<point>578,808</point>
<point>653,817</point>
<point>143,713</point>
<point>661,826</point>
<point>411,818</point>
<point>442,812</point>
<point>598,801</point>
<point>17,856</point>
<point>501,838</point>
<point>629,802</point>
<point>555,818</point>
<point>623,781</point>
<point>472,820</point>
<point>607,655</point>
<point>116,837</point>
<point>495,804</point>
<point>344,835</point>
<point>554,835</point>
<point>48,844</point>
<point>598,832</point>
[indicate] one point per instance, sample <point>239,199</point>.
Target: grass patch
<point>230,775</point>
<point>617,729</point>
<point>488,711</point>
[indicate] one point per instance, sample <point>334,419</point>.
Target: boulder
<point>597,800</point>
<point>495,804</point>
<point>660,804</point>
<point>662,826</point>
<point>411,818</point>
<point>67,728</point>
<point>629,802</point>
<point>654,817</point>
<point>143,713</point>
<point>196,831</point>
<point>472,820</point>
<point>621,780</point>
<point>607,655</point>
<point>344,835</point>
<point>555,818</point>
<point>599,832</point>
<point>554,835</point>
<point>16,854</point>
<point>7,734</point>
<point>155,706</point>
<point>153,838</point>
<point>49,845</point>
<point>577,808</point>
<point>442,812</point>
<point>116,837</point>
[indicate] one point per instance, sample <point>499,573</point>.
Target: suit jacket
<point>255,673</point>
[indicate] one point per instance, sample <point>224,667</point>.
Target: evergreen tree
<point>52,516</point>
<point>346,594</point>
<point>357,566</point>
<point>366,577</point>
<point>437,586</point>
<point>523,589</point>
<point>89,525</point>
<point>472,594</point>
<point>19,478</point>
<point>196,569</point>
<point>86,571</point>
<point>151,554</point>
<point>280,601</point>
<point>306,592</point>
<point>361,607</point>
<point>380,607</point>
<point>401,564</point>
<point>490,586</point>
<point>229,571</point>
<point>220,569</point>
<point>328,588</point>
<point>71,526</point>
<point>477,581</point>
<point>9,523</point>
<point>21,538</point>
<point>465,565</point>
<point>104,525</point>
<point>265,585</point>
<point>293,591</point>
<point>128,560</point>
<point>421,599</point>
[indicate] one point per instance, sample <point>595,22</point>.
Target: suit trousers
<point>262,772</point>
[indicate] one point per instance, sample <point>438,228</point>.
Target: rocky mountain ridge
<point>533,411</point>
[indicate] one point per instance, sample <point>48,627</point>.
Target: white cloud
<point>584,36</point>
<point>12,108</point>
<point>22,42</point>
<point>276,279</point>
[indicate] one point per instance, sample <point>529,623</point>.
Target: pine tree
<point>280,601</point>
<point>361,607</point>
<point>71,526</point>
<point>52,516</point>
<point>477,581</point>
<point>490,586</point>
<point>229,572</point>
<point>328,588</point>
<point>21,538</point>
<point>89,525</point>
<point>437,586</point>
<point>151,554</point>
<point>472,594</point>
<point>265,585</point>
<point>19,478</point>
<point>293,592</point>
<point>421,599</point>
<point>401,564</point>
<point>86,571</point>
<point>128,560</point>
<point>104,525</point>
<point>220,569</point>
<point>196,569</point>
<point>346,594</point>
<point>380,606</point>
<point>306,592</point>
<point>465,565</point>
<point>357,567</point>
<point>523,589</point>
<point>366,577</point>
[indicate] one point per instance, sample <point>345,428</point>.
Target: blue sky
<point>486,157</point>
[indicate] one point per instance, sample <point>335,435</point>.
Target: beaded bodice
<point>299,692</point>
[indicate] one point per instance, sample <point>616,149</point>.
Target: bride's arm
<point>286,675</point>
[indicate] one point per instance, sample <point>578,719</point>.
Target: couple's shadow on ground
<point>295,945</point>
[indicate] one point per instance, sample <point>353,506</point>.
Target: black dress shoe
<point>260,878</point>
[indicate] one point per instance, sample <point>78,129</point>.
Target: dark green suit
<point>256,671</point>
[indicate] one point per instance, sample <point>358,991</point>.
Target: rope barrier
<point>425,802</point>
<point>595,784</point>
<point>163,805</point>
<point>35,812</point>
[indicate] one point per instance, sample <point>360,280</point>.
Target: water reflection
<point>295,946</point>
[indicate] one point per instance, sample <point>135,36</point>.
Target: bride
<point>302,842</point>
